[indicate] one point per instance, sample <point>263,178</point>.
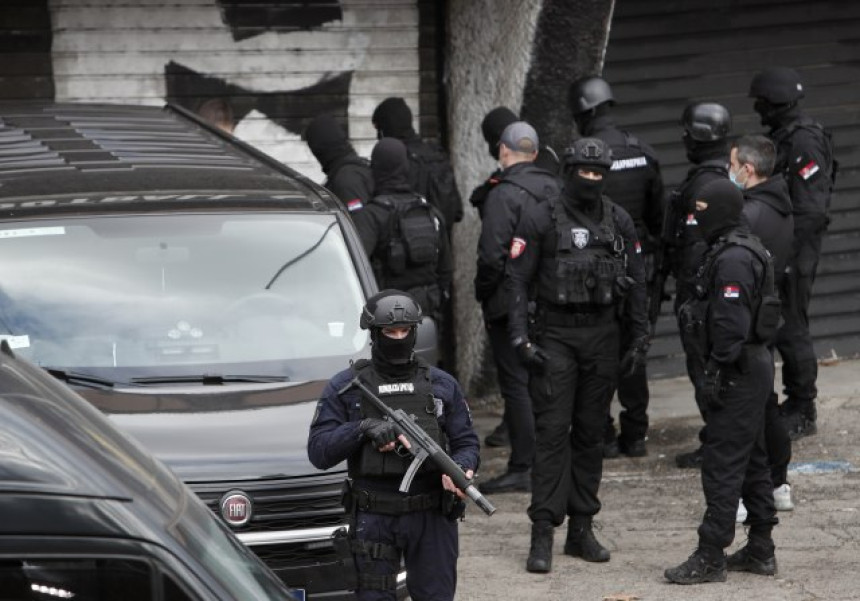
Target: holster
<point>453,507</point>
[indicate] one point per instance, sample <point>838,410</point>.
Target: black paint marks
<point>26,68</point>
<point>248,18</point>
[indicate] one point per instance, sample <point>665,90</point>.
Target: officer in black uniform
<point>492,126</point>
<point>402,233</point>
<point>730,320</point>
<point>706,127</point>
<point>767,210</point>
<point>348,176</point>
<point>520,184</point>
<point>805,158</point>
<point>635,184</point>
<point>579,253</point>
<point>387,526</point>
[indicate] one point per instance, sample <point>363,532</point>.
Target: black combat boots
<point>756,557</point>
<point>707,564</point>
<point>581,542</point>
<point>540,553</point>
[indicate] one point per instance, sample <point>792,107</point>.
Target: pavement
<point>651,510</point>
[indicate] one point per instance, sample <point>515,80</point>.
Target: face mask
<point>391,350</point>
<point>734,177</point>
<point>586,191</point>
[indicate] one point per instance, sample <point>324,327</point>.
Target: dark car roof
<point>55,444</point>
<point>87,150</point>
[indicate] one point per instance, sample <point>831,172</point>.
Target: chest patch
<point>580,237</point>
<point>731,291</point>
<point>396,387</point>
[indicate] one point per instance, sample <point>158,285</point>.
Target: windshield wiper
<point>209,379</point>
<point>81,379</point>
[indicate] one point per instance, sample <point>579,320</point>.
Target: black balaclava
<point>390,166</point>
<point>393,357</point>
<point>725,204</point>
<point>393,119</point>
<point>587,121</point>
<point>774,116</point>
<point>583,193</point>
<point>494,124</point>
<point>327,140</point>
<point>699,151</point>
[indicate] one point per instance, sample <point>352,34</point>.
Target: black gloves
<point>532,355</point>
<point>711,386</point>
<point>635,357</point>
<point>380,431</point>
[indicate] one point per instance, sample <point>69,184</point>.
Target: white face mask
<point>734,177</point>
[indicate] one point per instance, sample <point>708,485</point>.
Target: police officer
<point>767,210</point>
<point>402,233</point>
<point>805,158</point>
<point>348,176</point>
<point>730,323</point>
<point>579,253</point>
<point>387,526</point>
<point>635,184</point>
<point>430,172</point>
<point>706,127</point>
<point>519,184</point>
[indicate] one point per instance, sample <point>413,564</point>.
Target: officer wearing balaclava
<point>347,175</point>
<point>804,156</point>
<point>390,529</point>
<point>403,235</point>
<point>579,255</point>
<point>706,126</point>
<point>730,325</point>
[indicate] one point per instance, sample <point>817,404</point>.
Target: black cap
<point>495,122</point>
<point>393,118</point>
<point>777,85</point>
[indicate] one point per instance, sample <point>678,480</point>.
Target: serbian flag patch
<point>354,204</point>
<point>638,248</point>
<point>808,170</point>
<point>731,291</point>
<point>518,246</point>
<point>691,219</point>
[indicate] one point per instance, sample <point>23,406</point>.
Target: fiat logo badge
<point>236,508</point>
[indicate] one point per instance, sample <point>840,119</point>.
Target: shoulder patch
<point>638,247</point>
<point>808,170</point>
<point>731,291</point>
<point>518,246</point>
<point>691,219</point>
<point>354,204</point>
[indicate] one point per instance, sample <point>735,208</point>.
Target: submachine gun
<point>422,447</point>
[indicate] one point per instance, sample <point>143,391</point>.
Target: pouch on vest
<point>413,233</point>
<point>576,281</point>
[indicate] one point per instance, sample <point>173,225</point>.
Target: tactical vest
<point>415,397</point>
<point>413,235</point>
<point>767,307</point>
<point>783,161</point>
<point>586,264</point>
<point>629,180</point>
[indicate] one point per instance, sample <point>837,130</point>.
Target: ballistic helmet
<point>587,93</point>
<point>589,152</point>
<point>706,121</point>
<point>777,85</point>
<point>390,308</point>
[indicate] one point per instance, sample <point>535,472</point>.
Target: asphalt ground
<point>651,510</point>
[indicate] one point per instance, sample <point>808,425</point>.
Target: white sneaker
<point>782,498</point>
<point>742,512</point>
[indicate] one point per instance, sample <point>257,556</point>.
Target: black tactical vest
<point>415,397</point>
<point>629,180</point>
<point>413,237</point>
<point>586,263</point>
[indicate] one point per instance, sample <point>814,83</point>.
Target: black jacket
<point>767,210</point>
<point>516,188</point>
<point>349,178</point>
<point>431,175</point>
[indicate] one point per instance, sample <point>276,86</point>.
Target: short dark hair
<point>758,151</point>
<point>217,111</point>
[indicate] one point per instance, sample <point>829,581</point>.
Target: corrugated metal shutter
<point>279,63</point>
<point>663,54</point>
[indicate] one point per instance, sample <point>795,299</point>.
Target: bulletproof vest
<point>630,179</point>
<point>783,164</point>
<point>766,310</point>
<point>413,236</point>
<point>586,264</point>
<point>431,176</point>
<point>415,397</point>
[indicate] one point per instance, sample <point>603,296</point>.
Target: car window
<point>81,579</point>
<point>181,293</point>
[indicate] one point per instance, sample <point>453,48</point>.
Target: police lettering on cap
<point>706,121</point>
<point>519,136</point>
<point>390,308</point>
<point>587,93</point>
<point>589,151</point>
<point>777,85</point>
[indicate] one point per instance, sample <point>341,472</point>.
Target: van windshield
<point>126,296</point>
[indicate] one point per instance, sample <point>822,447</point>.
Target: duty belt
<point>557,316</point>
<point>391,503</point>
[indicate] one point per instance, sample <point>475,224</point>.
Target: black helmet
<point>777,85</point>
<point>390,308</point>
<point>588,151</point>
<point>587,93</point>
<point>706,121</point>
